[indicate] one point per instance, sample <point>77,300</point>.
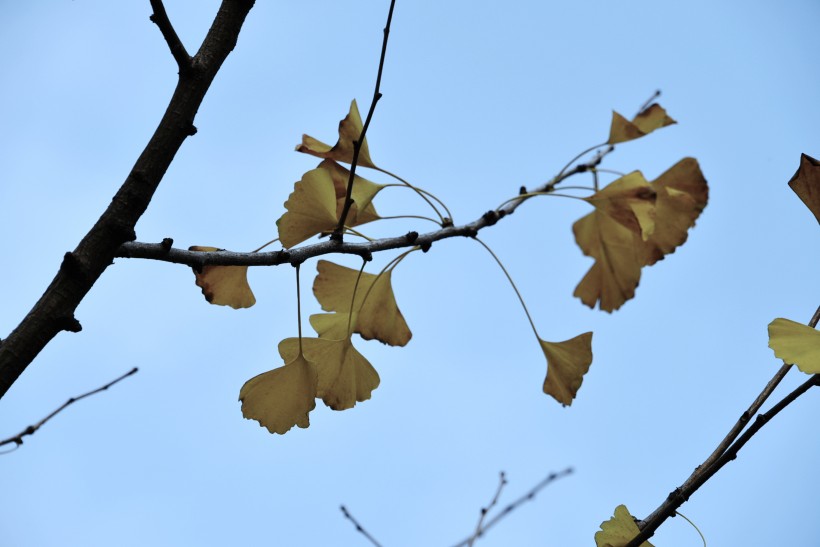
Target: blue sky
<point>479,99</point>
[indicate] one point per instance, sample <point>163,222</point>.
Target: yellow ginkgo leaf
<point>311,208</point>
<point>567,362</point>
<point>613,277</point>
<point>631,201</point>
<point>681,196</point>
<point>796,344</point>
<point>378,314</point>
<point>350,128</point>
<point>806,183</point>
<point>283,397</point>
<point>619,530</point>
<point>224,285</point>
<point>362,194</point>
<point>333,326</point>
<point>345,377</point>
<point>650,119</point>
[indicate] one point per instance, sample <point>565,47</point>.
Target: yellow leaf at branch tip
<point>651,118</point>
<point>283,397</point>
<point>806,183</point>
<point>567,362</point>
<point>635,224</point>
<point>796,344</point>
<point>619,530</point>
<point>345,377</point>
<point>315,205</point>
<point>224,285</point>
<point>378,317</point>
<point>350,129</point>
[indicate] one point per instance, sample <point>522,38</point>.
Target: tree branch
<point>357,144</point>
<point>727,450</point>
<point>359,527</point>
<point>166,253</point>
<point>160,18</point>
<point>54,312</point>
<point>32,429</point>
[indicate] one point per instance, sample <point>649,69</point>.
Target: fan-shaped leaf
<point>350,128</point>
<point>378,315</point>
<point>283,397</point>
<point>796,344</point>
<point>345,377</point>
<point>224,285</point>
<point>567,362</point>
<point>650,119</point>
<point>619,530</point>
<point>806,183</point>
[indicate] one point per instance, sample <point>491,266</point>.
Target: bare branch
<point>357,144</point>
<point>727,450</point>
<point>359,527</point>
<point>32,429</point>
<point>529,496</point>
<point>502,481</point>
<point>160,18</point>
<point>81,268</point>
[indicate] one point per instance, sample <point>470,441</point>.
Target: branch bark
<point>54,311</point>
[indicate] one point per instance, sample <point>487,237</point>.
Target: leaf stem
<point>396,217</point>
<point>422,194</point>
<point>271,242</point>
<point>678,513</point>
<point>510,279</point>
<point>299,307</point>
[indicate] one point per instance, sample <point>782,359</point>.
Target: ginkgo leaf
<point>350,128</point>
<point>224,285</point>
<point>567,362</point>
<point>333,326</point>
<point>635,224</point>
<point>283,397</point>
<point>619,530</point>
<point>651,118</point>
<point>796,344</point>
<point>316,203</point>
<point>806,183</point>
<point>345,377</point>
<point>379,316</point>
<point>362,194</point>
<point>613,277</point>
<point>311,208</point>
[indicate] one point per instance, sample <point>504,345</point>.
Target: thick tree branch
<point>32,429</point>
<point>54,311</point>
<point>160,18</point>
<point>727,450</point>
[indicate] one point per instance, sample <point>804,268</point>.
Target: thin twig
<point>30,430</point>
<point>514,505</point>
<point>359,527</point>
<point>357,144</point>
<point>502,481</point>
<point>160,18</point>
<point>727,449</point>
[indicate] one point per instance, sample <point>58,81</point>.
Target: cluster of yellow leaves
<point>636,222</point>
<point>619,530</point>
<point>328,367</point>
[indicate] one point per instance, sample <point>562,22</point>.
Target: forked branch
<point>160,18</point>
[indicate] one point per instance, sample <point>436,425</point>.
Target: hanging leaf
<point>224,285</point>
<point>283,397</point>
<point>350,128</point>
<point>345,377</point>
<point>806,183</point>
<point>316,203</point>
<point>567,362</point>
<point>378,315</point>
<point>619,530</point>
<point>651,118</point>
<point>333,326</point>
<point>796,344</point>
<point>635,224</point>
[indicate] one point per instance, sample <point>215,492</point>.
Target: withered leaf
<point>650,119</point>
<point>350,128</point>
<point>567,362</point>
<point>806,183</point>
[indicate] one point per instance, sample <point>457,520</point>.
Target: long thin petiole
<point>576,158</point>
<point>396,217</point>
<point>510,279</point>
<point>422,194</point>
<point>265,245</point>
<point>353,298</point>
<point>299,308</point>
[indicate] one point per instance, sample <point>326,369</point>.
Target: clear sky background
<point>479,99</point>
